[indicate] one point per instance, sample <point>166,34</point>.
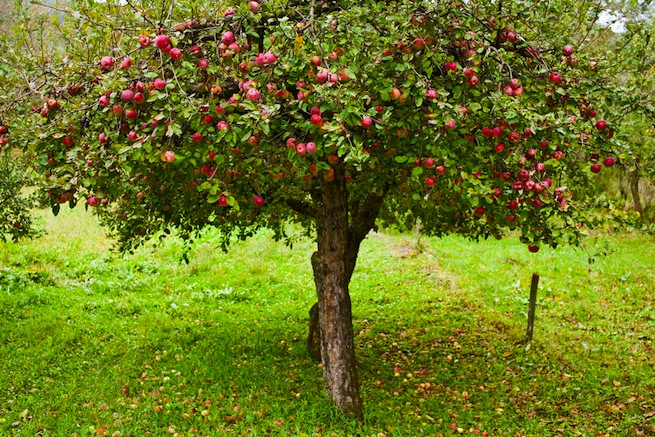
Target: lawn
<point>94,343</point>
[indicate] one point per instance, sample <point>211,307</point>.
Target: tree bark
<point>634,189</point>
<point>334,306</point>
<point>341,226</point>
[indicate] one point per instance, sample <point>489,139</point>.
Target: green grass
<point>147,345</point>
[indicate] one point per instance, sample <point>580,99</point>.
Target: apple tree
<point>476,118</point>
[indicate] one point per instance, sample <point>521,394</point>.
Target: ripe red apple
<point>323,75</point>
<point>132,135</point>
<point>269,58</point>
<point>500,147</point>
<point>567,50</point>
<point>555,78</point>
<point>169,156</point>
<point>196,137</point>
<point>144,40</point>
<point>127,95</point>
<point>418,43</point>
<point>608,162</point>
<point>93,201</point>
<point>222,201</point>
<point>487,131</point>
<point>102,138</point>
<point>595,168</point>
<point>367,121</point>
<point>68,141</point>
<point>450,124</point>
<point>316,119</point>
<point>523,175</point>
<point>203,63</point>
<point>429,163</point>
<point>473,81</point>
<point>258,200</point>
<point>394,94</point>
<point>227,37</point>
<point>310,147</point>
<point>333,159</point>
<point>540,167</point>
<point>431,94</point>
<point>253,94</point>
<point>176,54</point>
<point>469,72</point>
<point>162,42</point>
<point>159,83</point>
<point>441,169</point>
<point>117,110</point>
<point>106,62</point>
<point>301,149</point>
<point>315,60</point>
<point>450,66</point>
<point>430,181</point>
<point>222,125</point>
<point>557,155</point>
<point>139,98</point>
<point>131,114</point>
<point>533,248</point>
<point>601,125</point>
<point>126,63</point>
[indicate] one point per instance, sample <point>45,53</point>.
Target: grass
<point>92,343</point>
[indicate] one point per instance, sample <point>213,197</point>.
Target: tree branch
<point>302,208</point>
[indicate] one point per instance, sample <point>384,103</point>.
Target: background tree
<point>475,118</point>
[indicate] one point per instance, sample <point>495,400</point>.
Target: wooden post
<point>533,305</point>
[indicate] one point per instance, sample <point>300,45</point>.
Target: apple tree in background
<point>475,118</point>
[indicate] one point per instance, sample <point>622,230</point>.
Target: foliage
<point>79,327</point>
<point>15,218</point>
<point>462,115</point>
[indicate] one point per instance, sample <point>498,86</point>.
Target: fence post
<point>533,305</point>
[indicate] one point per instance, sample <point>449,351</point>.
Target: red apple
<point>176,54</point>
<point>258,200</point>
<point>106,62</point>
<point>169,156</point>
<point>144,40</point>
<point>162,41</point>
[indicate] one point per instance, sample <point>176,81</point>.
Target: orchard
<point>473,118</point>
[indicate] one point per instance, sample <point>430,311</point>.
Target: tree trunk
<point>334,307</point>
<point>634,189</point>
